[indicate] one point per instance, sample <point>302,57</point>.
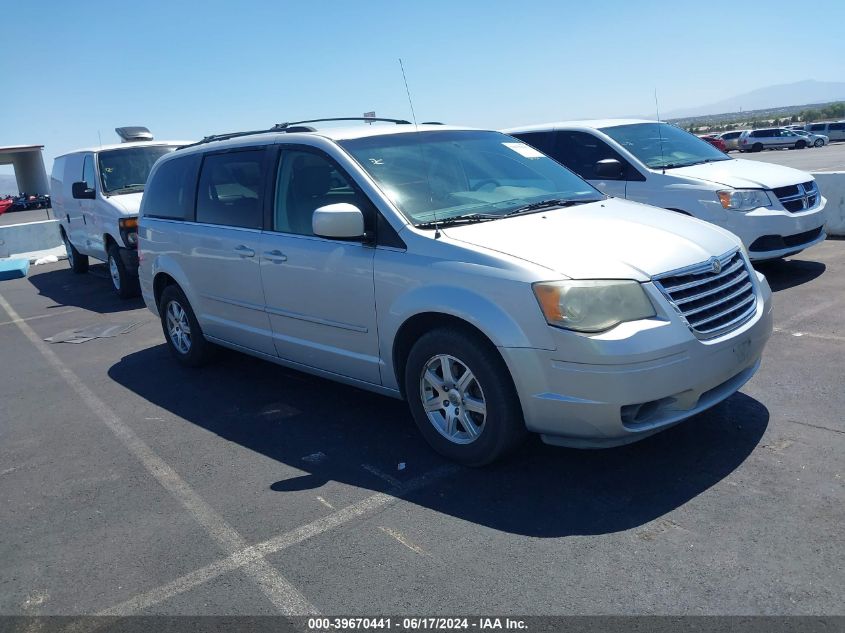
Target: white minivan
<point>96,193</point>
<point>777,211</point>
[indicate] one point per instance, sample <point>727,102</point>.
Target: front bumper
<point>772,233</point>
<point>636,380</point>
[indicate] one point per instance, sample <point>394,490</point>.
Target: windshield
<point>125,170</point>
<point>663,146</point>
<point>445,174</point>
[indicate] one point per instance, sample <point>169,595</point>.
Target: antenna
<point>100,139</point>
<point>413,114</point>
<point>659,131</point>
<point>419,146</point>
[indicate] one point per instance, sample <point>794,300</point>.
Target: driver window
<point>88,172</point>
<point>305,182</point>
<point>580,151</point>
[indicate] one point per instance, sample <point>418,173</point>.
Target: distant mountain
<point>798,93</point>
<point>8,185</point>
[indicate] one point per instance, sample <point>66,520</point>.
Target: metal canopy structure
<point>29,167</point>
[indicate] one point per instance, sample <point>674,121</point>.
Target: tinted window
<point>817,127</point>
<point>170,194</point>
<point>543,141</point>
<point>230,187</point>
<point>88,171</point>
<point>581,151</point>
<point>836,126</point>
<point>305,182</point>
<point>731,135</point>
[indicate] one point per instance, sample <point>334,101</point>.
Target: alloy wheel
<point>178,327</point>
<point>453,399</point>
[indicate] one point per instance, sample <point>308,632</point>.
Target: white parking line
<point>278,589</point>
<point>396,534</point>
<point>275,544</point>
<point>37,316</point>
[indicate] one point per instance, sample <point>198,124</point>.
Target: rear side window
<point>836,126</point>
<point>818,127</point>
<point>230,189</point>
<point>170,193</point>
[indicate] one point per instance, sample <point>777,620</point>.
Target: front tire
<point>818,142</point>
<point>78,263</point>
<point>800,145</point>
<point>124,283</point>
<point>462,397</point>
<point>182,331</point>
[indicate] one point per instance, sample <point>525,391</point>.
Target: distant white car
<point>776,210</point>
<point>813,140</point>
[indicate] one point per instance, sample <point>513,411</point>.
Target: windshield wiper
<point>556,203</point>
<point>125,187</point>
<point>461,219</point>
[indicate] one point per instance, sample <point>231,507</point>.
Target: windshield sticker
<point>524,150</point>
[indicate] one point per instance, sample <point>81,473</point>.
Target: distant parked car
<point>6,204</point>
<point>731,140</point>
<point>814,140</point>
<point>834,130</point>
<point>715,141</point>
<point>770,138</point>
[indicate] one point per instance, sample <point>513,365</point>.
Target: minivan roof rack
<point>290,127</point>
<point>281,127</point>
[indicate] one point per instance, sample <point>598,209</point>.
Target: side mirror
<point>80,191</point>
<point>339,221</point>
<point>610,168</point>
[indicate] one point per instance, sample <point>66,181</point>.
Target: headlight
<point>744,199</point>
<point>592,305</point>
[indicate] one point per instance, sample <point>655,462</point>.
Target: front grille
<point>799,197</point>
<point>713,297</point>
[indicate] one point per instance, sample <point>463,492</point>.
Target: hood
<point>743,174</point>
<point>128,203</point>
<point>611,239</point>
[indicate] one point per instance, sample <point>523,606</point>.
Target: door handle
<point>275,256</point>
<point>245,251</point>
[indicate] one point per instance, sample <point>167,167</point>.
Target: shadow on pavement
<point>91,291</point>
<point>541,491</point>
<point>785,274</point>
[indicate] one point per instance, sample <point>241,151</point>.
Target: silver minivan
<point>462,270</point>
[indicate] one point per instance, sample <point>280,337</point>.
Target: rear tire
<point>182,332</point>
<point>78,263</point>
<point>125,284</point>
<point>757,147</point>
<point>472,413</point>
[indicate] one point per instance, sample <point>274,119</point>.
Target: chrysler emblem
<point>715,265</point>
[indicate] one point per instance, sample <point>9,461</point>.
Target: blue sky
<point>187,69</point>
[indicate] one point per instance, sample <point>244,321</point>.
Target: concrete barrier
<point>832,186</point>
<point>29,237</point>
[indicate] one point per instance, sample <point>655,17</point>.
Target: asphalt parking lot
<point>130,485</point>
<point>827,158</point>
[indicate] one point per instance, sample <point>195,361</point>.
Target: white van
<point>777,211</point>
<point>96,193</point>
